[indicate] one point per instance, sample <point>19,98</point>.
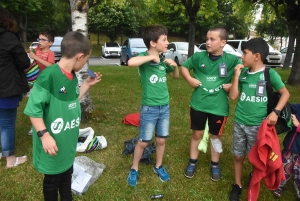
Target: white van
<point>272,60</point>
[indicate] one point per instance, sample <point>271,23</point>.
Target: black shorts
<point>215,123</point>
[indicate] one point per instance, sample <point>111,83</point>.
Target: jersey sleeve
<point>169,68</point>
<point>51,57</point>
<point>191,62</point>
<point>276,80</point>
<point>39,97</point>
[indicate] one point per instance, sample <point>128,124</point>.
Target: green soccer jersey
<point>251,109</point>
<point>154,82</point>
<point>210,96</point>
<point>55,99</point>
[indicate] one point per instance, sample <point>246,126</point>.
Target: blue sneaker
<point>162,173</point>
<point>190,170</point>
<point>132,177</point>
<point>215,172</point>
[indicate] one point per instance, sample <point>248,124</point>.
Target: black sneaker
<point>235,192</point>
<point>190,170</point>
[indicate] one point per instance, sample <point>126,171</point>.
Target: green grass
<point>118,94</point>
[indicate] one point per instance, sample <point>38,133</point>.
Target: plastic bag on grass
<point>86,172</point>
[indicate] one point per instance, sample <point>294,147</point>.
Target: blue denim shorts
<point>154,118</point>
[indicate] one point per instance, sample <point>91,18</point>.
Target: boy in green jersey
<point>213,70</point>
<point>154,113</point>
<point>251,108</point>
<point>54,111</point>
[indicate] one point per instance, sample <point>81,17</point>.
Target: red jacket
<point>132,119</point>
<point>265,156</point>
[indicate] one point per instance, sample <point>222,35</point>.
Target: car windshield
<point>185,46</point>
<point>57,41</point>
<point>137,43</point>
<point>112,44</point>
<point>228,48</point>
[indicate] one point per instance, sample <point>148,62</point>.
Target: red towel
<point>265,156</point>
<point>132,119</point>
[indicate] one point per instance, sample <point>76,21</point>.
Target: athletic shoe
<point>132,177</point>
<point>162,173</point>
<point>190,170</point>
<point>235,192</point>
<point>30,132</point>
<point>215,172</point>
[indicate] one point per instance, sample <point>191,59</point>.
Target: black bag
<point>284,123</point>
<point>146,157</point>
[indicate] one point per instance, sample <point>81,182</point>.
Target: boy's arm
<point>175,72</point>
<point>284,97</point>
<point>187,76</point>
<point>42,61</point>
<point>88,83</point>
<point>139,60</point>
<point>48,142</point>
<point>234,89</point>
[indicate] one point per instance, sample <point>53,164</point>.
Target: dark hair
<point>7,21</point>
<point>73,43</point>
<point>152,33</point>
<point>223,33</point>
<point>48,35</point>
<point>257,45</point>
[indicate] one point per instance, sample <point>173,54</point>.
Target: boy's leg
<point>162,132</point>
<point>138,152</point>
<point>50,187</point>
<point>65,185</point>
<point>216,125</point>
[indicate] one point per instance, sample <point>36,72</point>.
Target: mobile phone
<point>91,73</point>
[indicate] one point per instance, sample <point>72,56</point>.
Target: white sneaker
<point>30,132</point>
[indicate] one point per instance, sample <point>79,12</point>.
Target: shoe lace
<point>162,171</point>
<point>190,167</point>
<point>133,174</point>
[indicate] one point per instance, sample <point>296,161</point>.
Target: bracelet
<point>276,111</point>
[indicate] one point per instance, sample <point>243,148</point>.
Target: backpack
<point>146,156</point>
<point>284,123</point>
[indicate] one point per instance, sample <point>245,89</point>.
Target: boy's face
<point>162,44</point>
<point>214,44</point>
<point>44,43</point>
<point>248,58</point>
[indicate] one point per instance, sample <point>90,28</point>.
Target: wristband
<point>276,111</point>
<point>42,132</point>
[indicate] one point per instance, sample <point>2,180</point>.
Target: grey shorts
<point>244,138</point>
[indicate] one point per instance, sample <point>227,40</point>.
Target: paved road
<point>100,61</point>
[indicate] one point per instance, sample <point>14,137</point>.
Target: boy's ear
<point>79,56</point>
<point>152,43</point>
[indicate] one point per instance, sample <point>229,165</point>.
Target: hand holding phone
<point>91,73</point>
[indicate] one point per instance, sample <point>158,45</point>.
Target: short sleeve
<point>51,57</point>
<point>276,80</point>
<point>191,62</point>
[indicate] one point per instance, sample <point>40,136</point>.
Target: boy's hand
<point>170,62</point>
<point>49,144</point>
<point>93,80</point>
<point>238,70</point>
<point>295,120</point>
<point>32,55</point>
<point>226,87</point>
<point>194,82</point>
<point>272,118</point>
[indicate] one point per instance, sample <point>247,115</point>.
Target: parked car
<point>34,45</point>
<point>111,49</point>
<point>283,52</point>
<point>178,51</point>
<point>227,48</point>
<point>131,48</point>
<point>272,60</point>
<point>56,47</point>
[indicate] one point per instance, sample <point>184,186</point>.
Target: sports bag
<point>31,73</point>
<point>284,123</point>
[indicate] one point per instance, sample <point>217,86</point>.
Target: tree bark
<point>294,78</point>
<point>79,10</point>
<point>288,57</point>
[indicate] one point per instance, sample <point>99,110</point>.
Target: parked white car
<point>111,49</point>
<point>227,48</point>
<point>178,51</point>
<point>272,60</point>
<point>34,45</point>
<point>283,54</point>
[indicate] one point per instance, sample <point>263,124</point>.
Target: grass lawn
<point>118,94</point>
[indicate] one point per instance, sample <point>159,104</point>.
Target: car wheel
<point>176,61</point>
<point>127,59</point>
<point>121,62</point>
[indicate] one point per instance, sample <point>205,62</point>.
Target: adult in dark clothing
<point>13,83</point>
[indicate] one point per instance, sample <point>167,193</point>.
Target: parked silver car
<point>227,48</point>
<point>283,52</point>
<point>56,47</point>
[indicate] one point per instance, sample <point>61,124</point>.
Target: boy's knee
<point>239,158</point>
<point>197,135</point>
<point>160,141</point>
<point>141,144</point>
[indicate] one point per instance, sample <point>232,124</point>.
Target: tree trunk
<point>191,37</point>
<point>98,38</point>
<point>294,78</point>
<point>79,9</point>
<point>23,26</point>
<point>288,57</point>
